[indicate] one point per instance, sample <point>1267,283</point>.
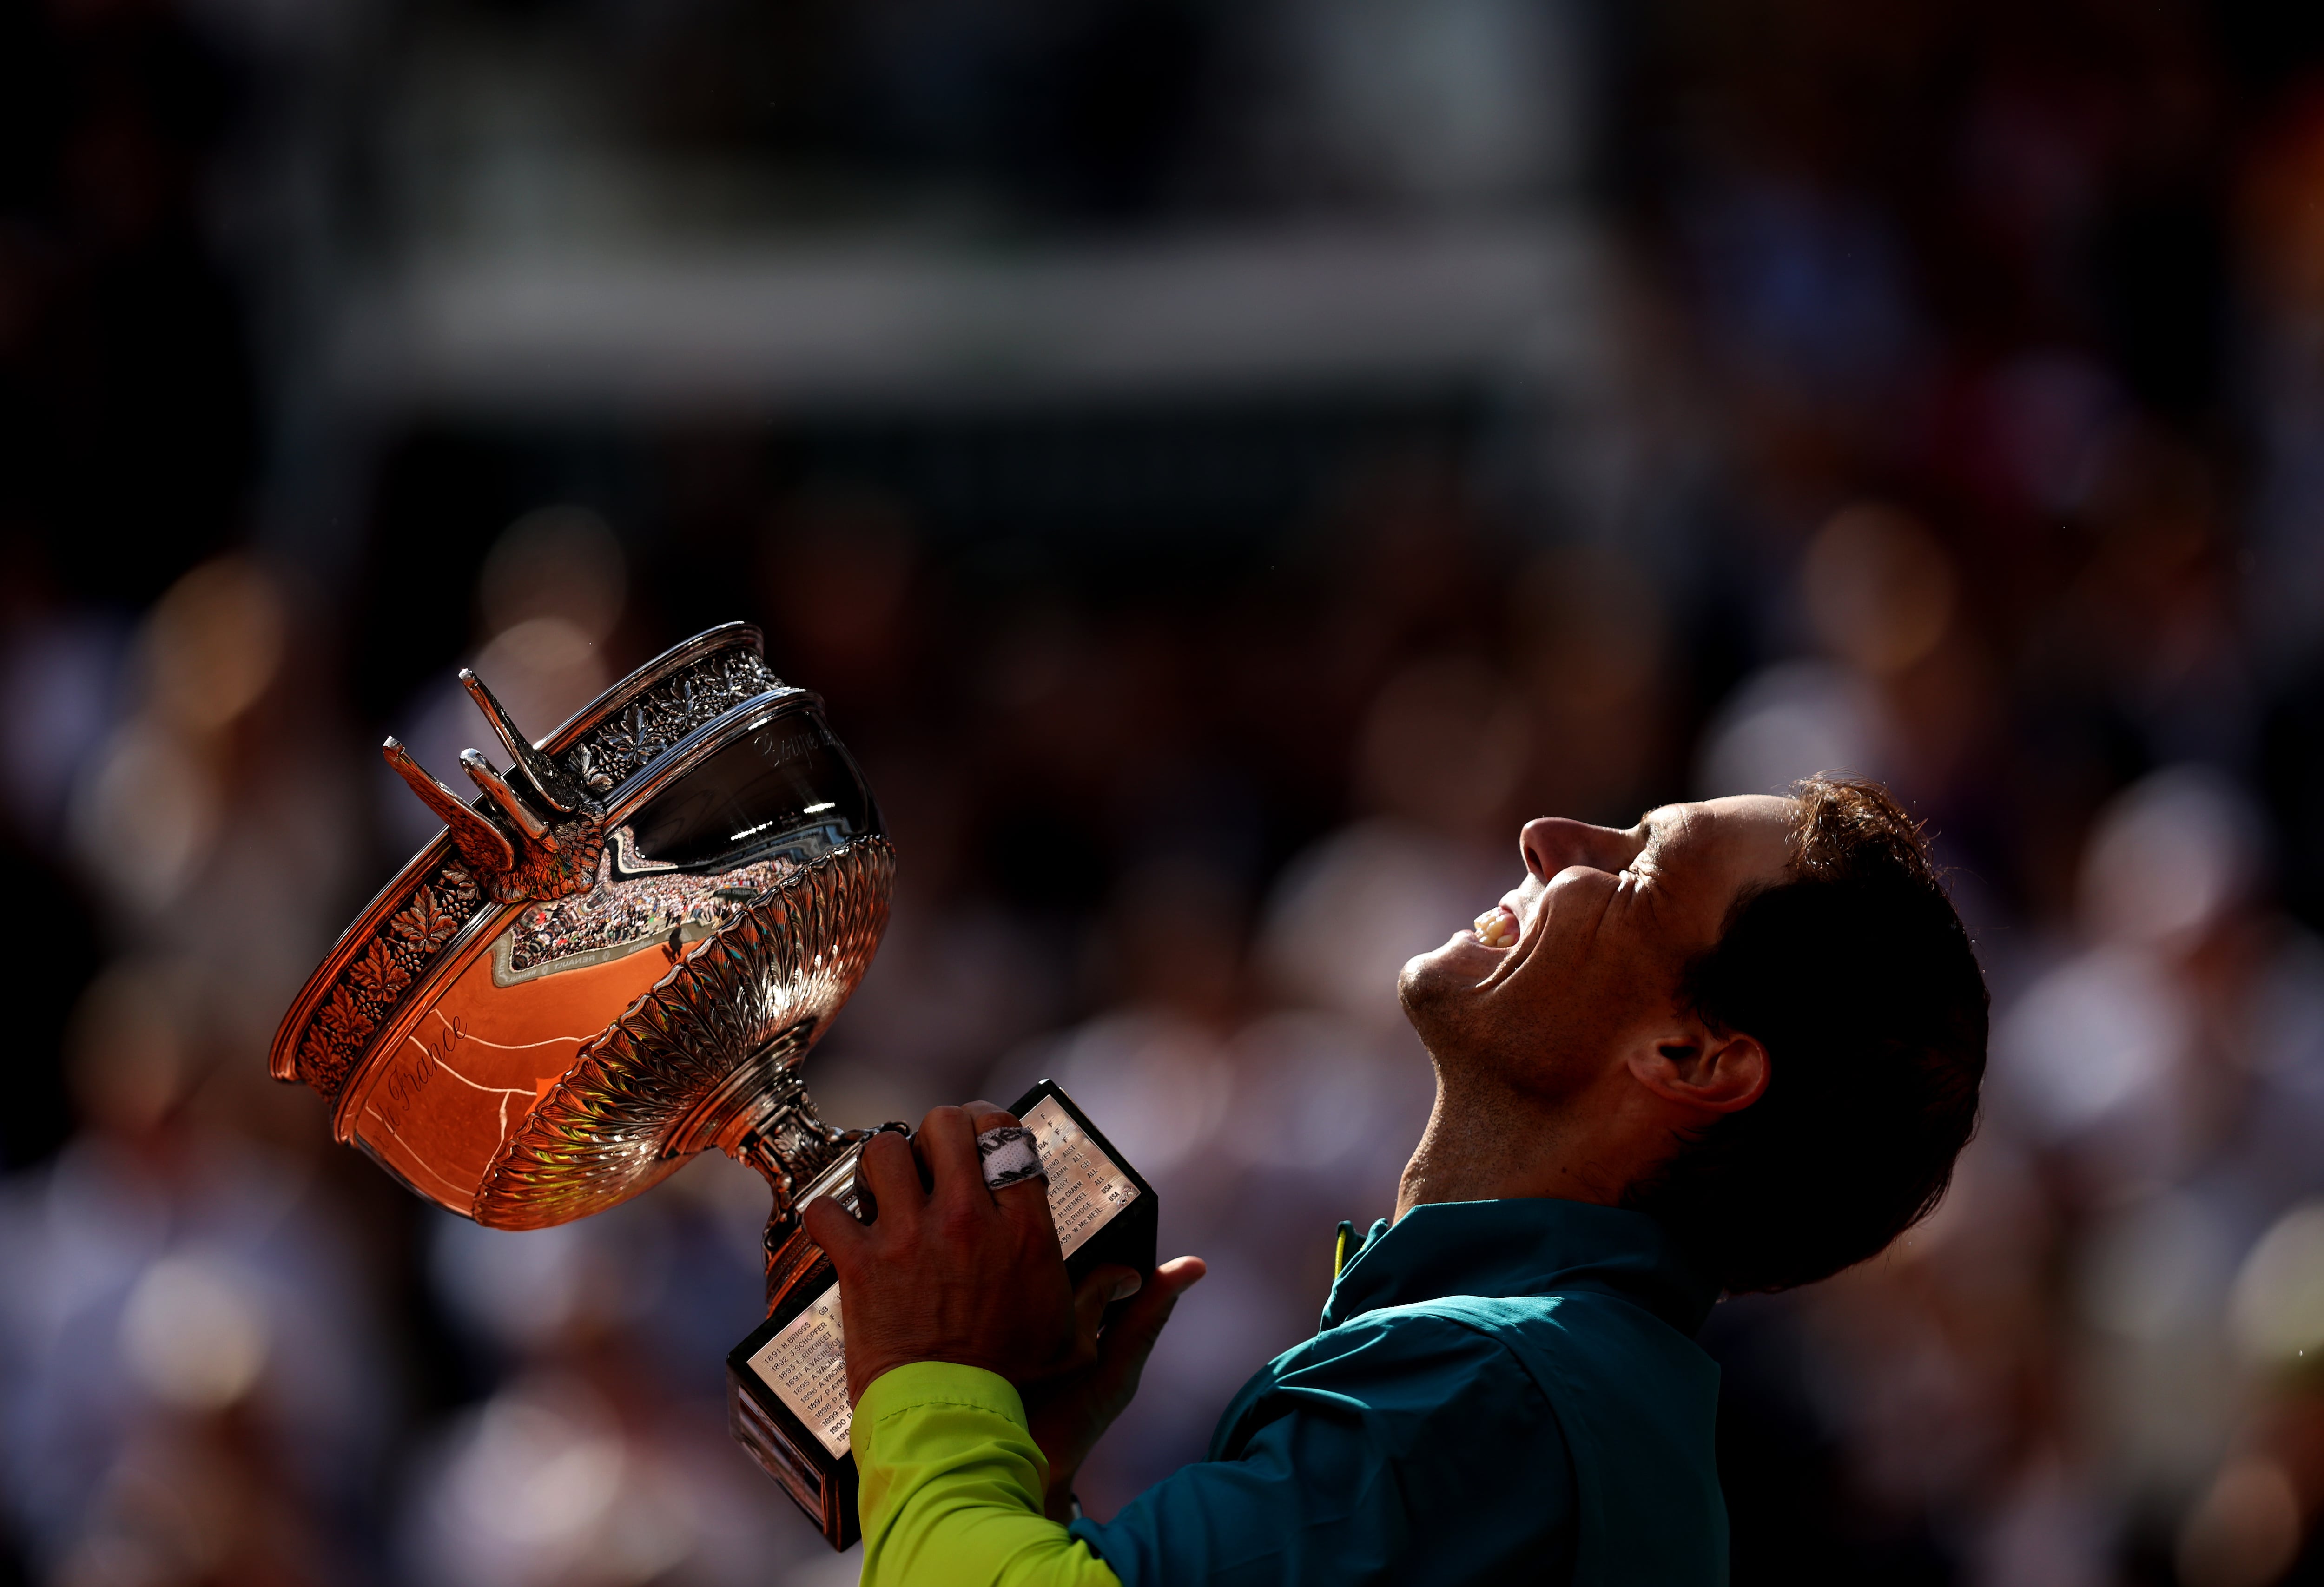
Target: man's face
<point>1582,961</point>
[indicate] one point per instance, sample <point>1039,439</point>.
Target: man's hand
<point>1069,1411</point>
<point>955,1273</point>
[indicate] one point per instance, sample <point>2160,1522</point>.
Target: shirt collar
<point>1522,1245</point>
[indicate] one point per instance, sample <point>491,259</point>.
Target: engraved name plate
<point>792,1370</point>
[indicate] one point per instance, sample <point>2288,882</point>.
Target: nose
<point>1552,843</point>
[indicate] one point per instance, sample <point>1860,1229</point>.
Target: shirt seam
<point>1477,1330</point>
<point>1418,1308</point>
<point>957,1405</point>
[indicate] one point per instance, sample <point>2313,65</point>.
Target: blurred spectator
<point>549,598</point>
<point>1591,634</point>
<point>193,1389</point>
<point>602,1456</point>
<point>1438,763</point>
<point>1935,395</point>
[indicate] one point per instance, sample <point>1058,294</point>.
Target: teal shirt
<point>1501,1391</point>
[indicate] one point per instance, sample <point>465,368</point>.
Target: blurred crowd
<point>1962,425</point>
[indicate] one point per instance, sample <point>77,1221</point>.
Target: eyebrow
<point>1652,834</point>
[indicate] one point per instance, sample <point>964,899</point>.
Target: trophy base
<point>787,1383</point>
<point>823,1487</point>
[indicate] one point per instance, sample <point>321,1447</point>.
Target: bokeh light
<point>1224,467</point>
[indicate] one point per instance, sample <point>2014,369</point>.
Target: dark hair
<point>1858,978</point>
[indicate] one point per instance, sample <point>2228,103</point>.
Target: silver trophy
<point>618,955</point>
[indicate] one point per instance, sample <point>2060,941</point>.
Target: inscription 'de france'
<point>411,1076</point>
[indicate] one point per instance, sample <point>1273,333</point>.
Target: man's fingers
<point>888,1171</point>
<point>1101,1289</point>
<point>1122,1349</point>
<point>948,1146</point>
<point>833,1228</point>
<point>1130,1339</point>
<point>1097,1290</point>
<point>1025,1201</point>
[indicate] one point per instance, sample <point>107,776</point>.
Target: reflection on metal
<point>559,792</point>
<point>529,1022</point>
<point>532,1023</point>
<point>483,846</point>
<point>371,992</point>
<point>485,776</point>
<point>627,858</point>
<point>537,855</point>
<point>708,1057</point>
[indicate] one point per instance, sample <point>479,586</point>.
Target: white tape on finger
<point>1008,1156</point>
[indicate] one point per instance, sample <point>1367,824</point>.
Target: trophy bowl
<point>616,956</point>
<point>618,953</point>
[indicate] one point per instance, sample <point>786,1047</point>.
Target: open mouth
<point>1499,928</point>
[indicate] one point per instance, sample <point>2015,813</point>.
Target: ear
<point>1706,1072</point>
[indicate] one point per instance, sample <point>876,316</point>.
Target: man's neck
<point>1486,1141</point>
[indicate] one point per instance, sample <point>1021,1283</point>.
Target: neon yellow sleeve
<point>951,1485</point>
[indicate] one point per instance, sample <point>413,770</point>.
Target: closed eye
<point>1643,862</point>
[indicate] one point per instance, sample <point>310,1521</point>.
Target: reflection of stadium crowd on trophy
<point>1919,499</point>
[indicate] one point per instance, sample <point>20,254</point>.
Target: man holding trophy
<point>1736,1047</point>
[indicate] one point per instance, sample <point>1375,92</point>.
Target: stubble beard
<point>1447,1022</point>
<point>1476,1050</point>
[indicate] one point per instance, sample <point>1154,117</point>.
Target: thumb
<point>1101,1289</point>
<point>1130,1339</point>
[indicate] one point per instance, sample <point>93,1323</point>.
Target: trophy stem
<point>790,1254</point>
<point>758,1151</point>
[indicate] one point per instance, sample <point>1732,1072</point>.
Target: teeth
<point>1495,929</point>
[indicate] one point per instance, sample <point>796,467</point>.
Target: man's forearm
<point>953,1484</point>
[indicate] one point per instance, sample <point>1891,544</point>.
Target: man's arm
<point>1408,1451</point>
<point>964,1288</point>
<point>953,1487</point>
<point>1401,1448</point>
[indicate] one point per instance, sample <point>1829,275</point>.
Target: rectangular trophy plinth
<point>787,1383</point>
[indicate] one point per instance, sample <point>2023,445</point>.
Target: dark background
<point>1224,467</point>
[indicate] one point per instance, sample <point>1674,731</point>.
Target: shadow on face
<point>1584,957</point>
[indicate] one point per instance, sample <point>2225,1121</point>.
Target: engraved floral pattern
<point>372,981</point>
<point>375,980</point>
<point>423,924</point>
<point>616,748</point>
<point>628,736</point>
<point>343,1017</point>
<point>319,1052</point>
<point>378,974</point>
<point>776,972</point>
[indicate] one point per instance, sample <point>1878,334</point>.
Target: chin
<point>1462,1027</point>
<point>1430,987</point>
<point>1423,977</point>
